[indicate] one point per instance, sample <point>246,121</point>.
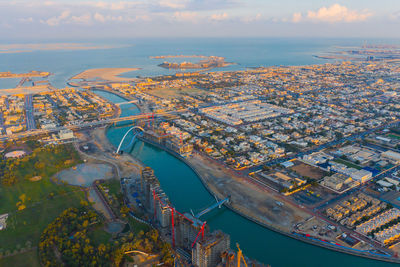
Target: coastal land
<point>178,56</point>
<point>105,74</point>
<point>27,90</point>
<point>30,74</point>
<point>372,53</point>
<point>208,62</point>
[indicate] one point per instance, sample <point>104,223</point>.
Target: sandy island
<point>105,74</point>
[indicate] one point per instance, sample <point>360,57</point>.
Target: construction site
<point>193,241</point>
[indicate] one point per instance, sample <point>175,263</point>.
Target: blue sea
<point>136,53</point>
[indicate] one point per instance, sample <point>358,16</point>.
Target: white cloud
<point>49,3</point>
<point>395,15</point>
<point>297,17</point>
<point>99,17</point>
<point>26,20</point>
<point>249,19</point>
<point>54,21</point>
<point>338,13</point>
<point>120,5</point>
<point>102,18</point>
<point>143,18</point>
<point>82,19</point>
<point>116,6</point>
<point>5,25</point>
<point>186,16</point>
<point>219,17</point>
<point>174,4</point>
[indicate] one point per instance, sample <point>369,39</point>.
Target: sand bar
<point>105,74</point>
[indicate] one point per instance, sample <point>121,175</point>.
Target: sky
<point>41,19</point>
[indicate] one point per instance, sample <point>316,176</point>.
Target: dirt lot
<point>308,170</point>
<point>246,197</point>
<point>171,93</point>
<point>317,227</point>
<point>100,151</point>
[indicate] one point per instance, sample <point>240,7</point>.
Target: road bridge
<point>92,124</point>
<point>127,102</point>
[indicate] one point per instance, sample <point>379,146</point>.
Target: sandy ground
<point>103,151</point>
<point>105,74</point>
<point>247,197</point>
<point>98,204</point>
<point>143,261</point>
<point>172,93</point>
<point>85,174</point>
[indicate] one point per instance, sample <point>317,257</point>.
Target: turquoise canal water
<point>186,192</point>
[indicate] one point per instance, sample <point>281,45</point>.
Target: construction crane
<point>240,256</point>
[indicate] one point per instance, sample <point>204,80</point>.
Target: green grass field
<point>99,236</point>
<point>34,192</point>
<point>43,200</point>
<point>113,185</point>
<point>28,224</point>
<point>29,258</point>
<point>136,226</point>
<point>395,136</point>
<point>44,162</point>
<point>347,163</point>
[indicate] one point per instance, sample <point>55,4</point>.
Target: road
<point>2,122</point>
<point>34,131</point>
<point>29,117</point>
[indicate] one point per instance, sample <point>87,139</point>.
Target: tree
<point>39,165</point>
<point>124,210</point>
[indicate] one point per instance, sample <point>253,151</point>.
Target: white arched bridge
<point>138,130</point>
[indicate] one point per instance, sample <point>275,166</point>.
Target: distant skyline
<point>20,19</point>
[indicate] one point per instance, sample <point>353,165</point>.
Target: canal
<point>186,192</point>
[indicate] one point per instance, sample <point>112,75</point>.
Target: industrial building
<point>244,112</point>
